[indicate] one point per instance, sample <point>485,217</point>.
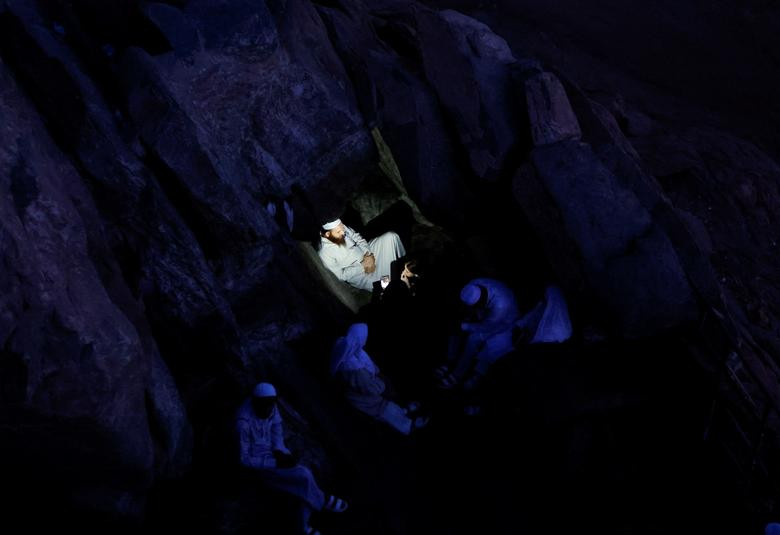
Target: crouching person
<point>486,333</point>
<point>262,450</point>
<point>365,390</point>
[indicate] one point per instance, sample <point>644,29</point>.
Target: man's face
<point>336,235</point>
<point>263,407</point>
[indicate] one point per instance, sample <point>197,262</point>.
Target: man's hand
<point>407,276</point>
<point>369,263</point>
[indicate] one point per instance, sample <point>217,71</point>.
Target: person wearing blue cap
<point>263,452</point>
<point>486,337</point>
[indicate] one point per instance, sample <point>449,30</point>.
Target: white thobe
<point>345,260</point>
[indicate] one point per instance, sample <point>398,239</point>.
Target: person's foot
<point>448,381</point>
<point>420,422</point>
<point>412,408</point>
<point>335,504</point>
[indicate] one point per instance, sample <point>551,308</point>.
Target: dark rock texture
<point>473,87</point>
<point>146,286</point>
<point>77,350</point>
<point>549,111</point>
<point>629,259</point>
<point>664,112</point>
<point>382,59</point>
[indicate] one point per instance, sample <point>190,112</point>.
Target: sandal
<point>335,505</point>
<point>420,422</point>
<point>412,407</point>
<point>441,371</point>
<point>448,381</point>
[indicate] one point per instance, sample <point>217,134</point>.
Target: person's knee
<point>304,471</point>
<point>390,235</point>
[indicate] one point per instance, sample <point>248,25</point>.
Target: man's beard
<point>337,241</point>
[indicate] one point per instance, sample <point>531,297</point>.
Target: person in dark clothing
<point>407,326</point>
<point>398,289</point>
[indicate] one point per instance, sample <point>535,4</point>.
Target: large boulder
<point>626,257</point>
<point>729,188</point>
<point>549,111</point>
<point>180,245</point>
<point>378,49</point>
<point>77,374</point>
<point>258,137</point>
<point>469,67</point>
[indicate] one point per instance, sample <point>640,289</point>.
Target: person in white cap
<point>364,388</point>
<point>354,260</point>
<point>493,311</point>
<point>262,450</point>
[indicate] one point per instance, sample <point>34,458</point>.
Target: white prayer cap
<point>331,224</point>
<point>264,390</point>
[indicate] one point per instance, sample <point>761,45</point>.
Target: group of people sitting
<point>491,328</point>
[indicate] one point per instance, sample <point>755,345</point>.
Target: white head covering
<point>348,353</point>
<point>264,390</point>
<point>331,224</point>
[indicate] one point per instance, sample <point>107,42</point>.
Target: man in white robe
<point>364,388</point>
<point>354,260</point>
<point>263,452</point>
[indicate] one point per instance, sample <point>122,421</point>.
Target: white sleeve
<point>358,239</point>
<point>332,264</point>
<point>245,445</point>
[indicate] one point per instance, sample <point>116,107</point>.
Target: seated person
<point>400,286</point>
<point>406,322</point>
<point>486,334</point>
<point>364,388</point>
<point>547,322</point>
<point>263,452</point>
<point>355,261</point>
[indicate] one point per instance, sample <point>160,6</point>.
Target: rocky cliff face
<point>146,287</point>
<point>662,81</point>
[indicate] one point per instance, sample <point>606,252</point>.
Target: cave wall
<point>146,287</point>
